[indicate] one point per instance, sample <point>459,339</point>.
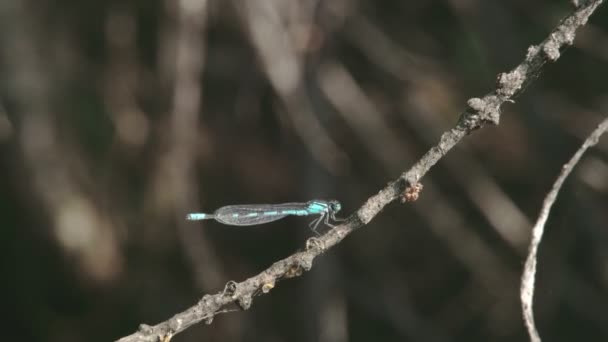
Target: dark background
<point>119,117</point>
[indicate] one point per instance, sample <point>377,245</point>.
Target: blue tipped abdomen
<point>198,216</point>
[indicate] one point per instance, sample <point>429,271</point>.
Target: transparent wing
<point>252,214</point>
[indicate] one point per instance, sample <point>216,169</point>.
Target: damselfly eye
<point>335,206</point>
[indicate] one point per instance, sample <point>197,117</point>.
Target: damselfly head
<point>334,206</point>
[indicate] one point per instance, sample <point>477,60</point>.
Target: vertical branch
<point>177,173</point>
<point>528,277</point>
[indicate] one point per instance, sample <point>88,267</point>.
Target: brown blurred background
<point>119,117</point>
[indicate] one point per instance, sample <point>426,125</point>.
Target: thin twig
<point>480,112</point>
<point>527,278</point>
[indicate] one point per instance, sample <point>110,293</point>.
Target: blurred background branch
<point>116,119</point>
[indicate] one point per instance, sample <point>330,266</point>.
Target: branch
<point>527,279</point>
<point>480,111</point>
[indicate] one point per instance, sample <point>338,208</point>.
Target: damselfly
<point>252,214</point>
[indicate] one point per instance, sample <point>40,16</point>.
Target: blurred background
<point>119,117</point>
